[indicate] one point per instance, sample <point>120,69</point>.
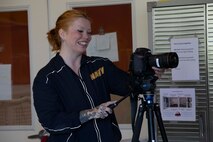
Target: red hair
<point>63,22</point>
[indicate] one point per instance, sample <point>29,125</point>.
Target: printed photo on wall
<point>177,104</point>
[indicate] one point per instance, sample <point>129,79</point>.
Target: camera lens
<point>165,60</point>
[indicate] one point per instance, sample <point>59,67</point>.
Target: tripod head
<point>143,84</point>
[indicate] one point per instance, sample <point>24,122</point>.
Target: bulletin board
<point>15,97</point>
<point>115,18</point>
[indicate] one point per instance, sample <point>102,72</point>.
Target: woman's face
<point>77,36</point>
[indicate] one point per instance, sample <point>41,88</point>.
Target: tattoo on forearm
<point>86,115</point>
<point>98,112</point>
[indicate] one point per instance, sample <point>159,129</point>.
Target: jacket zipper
<point>92,105</point>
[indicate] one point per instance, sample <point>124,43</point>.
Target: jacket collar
<point>58,60</point>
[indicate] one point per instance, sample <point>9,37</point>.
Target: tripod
<point>150,107</point>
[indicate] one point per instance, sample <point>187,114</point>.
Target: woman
<point>72,92</point>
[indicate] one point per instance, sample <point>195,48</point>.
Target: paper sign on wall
<point>177,104</point>
<point>104,46</point>
<point>188,67</point>
<point>5,82</point>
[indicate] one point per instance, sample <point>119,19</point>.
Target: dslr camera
<point>141,63</point>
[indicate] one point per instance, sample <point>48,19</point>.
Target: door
<point>184,21</point>
<point>23,51</point>
<point>210,65</point>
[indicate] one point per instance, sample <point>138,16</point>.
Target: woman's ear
<point>61,33</point>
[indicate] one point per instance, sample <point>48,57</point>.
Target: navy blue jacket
<point>59,95</point>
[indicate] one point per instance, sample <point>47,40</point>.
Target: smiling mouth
<point>83,43</point>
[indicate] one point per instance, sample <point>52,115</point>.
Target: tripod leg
<point>160,122</point>
<point>138,124</point>
<point>151,124</point>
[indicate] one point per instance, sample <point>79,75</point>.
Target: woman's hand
<point>159,71</point>
<point>101,111</point>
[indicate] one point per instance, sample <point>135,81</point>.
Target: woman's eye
<point>80,31</point>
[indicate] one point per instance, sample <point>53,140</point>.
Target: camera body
<point>141,63</point>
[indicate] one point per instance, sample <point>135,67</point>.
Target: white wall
<point>141,39</point>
